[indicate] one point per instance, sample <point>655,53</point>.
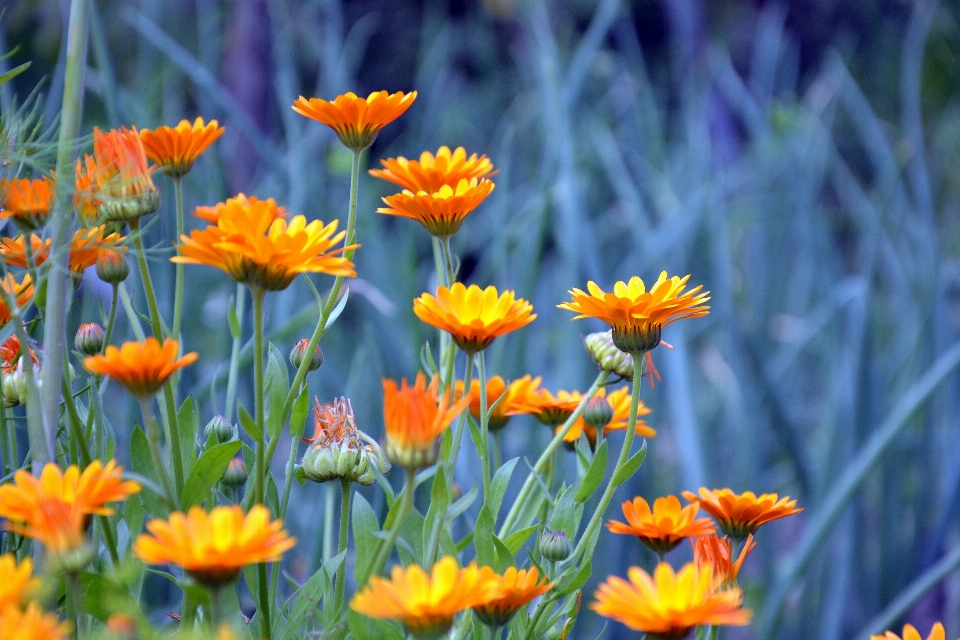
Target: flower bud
<point>298,352</point>
<point>340,451</point>
<point>132,206</point>
<point>608,357</point>
<point>220,428</point>
<point>554,545</point>
<point>598,413</point>
<point>236,474</point>
<point>89,339</point>
<point>112,266</point>
<point>11,393</point>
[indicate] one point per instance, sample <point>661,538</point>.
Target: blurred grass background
<point>800,159</point>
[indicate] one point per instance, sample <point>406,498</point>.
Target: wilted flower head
<point>340,451</point>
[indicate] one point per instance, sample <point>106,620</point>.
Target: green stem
<point>111,320</point>
<point>447,261</point>
<point>147,280</point>
<point>41,440</point>
<point>484,427</point>
<point>284,502</point>
<point>714,632</point>
<point>235,355</point>
<point>406,506</point>
<point>216,607</point>
<point>178,293</point>
<point>153,442</point>
<point>451,461</point>
<point>342,546</point>
<point>266,629</point>
<point>261,472</point>
<point>76,603</point>
<point>497,453</point>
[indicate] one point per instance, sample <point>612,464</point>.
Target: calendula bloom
<point>16,581</point>
<point>425,604</point>
<point>85,247</point>
<point>513,394</point>
<point>10,352</point>
<point>175,149</point>
<point>26,202</point>
<point>432,172</point>
<point>549,409</point>
<point>742,514</point>
<point>20,292</point>
<point>414,417</point>
<point>213,548</point>
<point>258,248</point>
<point>442,212</point>
<point>620,403</point>
<point>910,633</point>
<point>141,367</point>
<point>32,623</point>
<point>473,316</point>
<point>123,184</point>
<point>519,588</point>
<point>663,527</point>
<point>356,120</point>
<point>339,450</point>
<point>85,200</point>
<point>668,605</point>
<point>637,315</point>
<point>717,553</point>
<point>212,214</point>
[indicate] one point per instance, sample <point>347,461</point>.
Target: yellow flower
<point>175,149</point>
<point>513,395</point>
<point>26,202</point>
<point>425,604</point>
<point>741,515</point>
<point>663,527</point>
<point>432,172</point>
<point>441,212</point>
<point>620,403</point>
<point>84,248</point>
<point>717,553</point>
<point>119,176</point>
<point>667,605</point>
<point>551,410</point>
<point>637,315</point>
<point>141,367</point>
<point>473,316</point>
<point>214,547</point>
<point>519,588</point>
<point>21,292</point>
<point>16,581</point>
<point>910,633</point>
<point>31,624</point>
<point>356,120</point>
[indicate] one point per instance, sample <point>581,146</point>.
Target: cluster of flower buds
<point>340,451</point>
<point>608,356</point>
<point>14,376</point>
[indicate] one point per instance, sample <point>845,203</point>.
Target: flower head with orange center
<point>742,514</point>
<point>667,605</point>
<point>20,292</point>
<point>432,172</point>
<point>620,403</point>
<point>84,248</point>
<point>356,120</point>
<point>716,552</point>
<point>519,588</point>
<point>473,316</point>
<point>175,149</point>
<point>414,417</point>
<point>443,211</point>
<point>214,547</point>
<point>255,246</point>
<point>426,604</point>
<point>212,214</point>
<point>26,202</point>
<point>549,409</point>
<point>497,388</point>
<point>141,367</point>
<point>121,179</point>
<point>663,527</point>
<point>910,633</point>
<point>16,581</point>
<point>32,623</point>
<point>637,315</point>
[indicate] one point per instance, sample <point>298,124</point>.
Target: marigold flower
<point>414,417</point>
<point>664,527</point>
<point>513,395</point>
<point>519,588</point>
<point>10,354</point>
<point>741,515</point>
<point>717,553</point>
<point>85,199</point>
<point>141,367</point>
<point>122,181</point>
<point>443,211</point>
<point>432,172</point>
<point>212,214</point>
<point>549,409</point>
<point>667,605</point>
<point>21,292</point>
<point>175,149</point>
<point>213,547</point>
<point>425,604</point>
<point>16,581</point>
<point>32,623</point>
<point>910,633</point>
<point>620,402</point>
<point>356,120</point>
<point>473,316</point>
<point>26,202</point>
<point>637,315</point>
<point>84,248</point>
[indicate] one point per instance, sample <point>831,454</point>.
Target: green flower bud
<point>298,352</point>
<point>236,473</point>
<point>220,428</point>
<point>608,356</point>
<point>598,413</point>
<point>89,339</point>
<point>112,266</point>
<point>554,545</point>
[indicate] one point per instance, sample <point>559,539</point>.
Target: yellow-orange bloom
<point>432,172</point>
<point>425,604</point>
<point>175,149</point>
<point>213,547</point>
<point>121,180</point>
<point>549,409</point>
<point>667,605</point>
<point>21,292</point>
<point>141,367</point>
<point>33,623</point>
<point>443,211</point>
<point>717,553</point>
<point>84,248</point>
<point>910,633</point>
<point>513,395</point>
<point>85,199</point>
<point>473,316</point>
<point>519,588</point>
<point>637,315</point>
<point>16,581</point>
<point>212,214</point>
<point>414,417</point>
<point>740,515</point>
<point>26,202</point>
<point>356,120</point>
<point>620,403</point>
<point>663,527</point>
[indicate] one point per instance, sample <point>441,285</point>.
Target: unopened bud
<point>112,266</point>
<point>220,428</point>
<point>608,357</point>
<point>598,412</point>
<point>89,339</point>
<point>554,545</point>
<point>236,473</point>
<point>298,352</point>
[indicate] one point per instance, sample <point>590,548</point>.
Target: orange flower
<point>473,316</point>
<point>175,149</point>
<point>31,624</point>
<point>84,248</point>
<point>414,417</point>
<point>434,171</point>
<point>910,633</point>
<point>717,553</point>
<point>141,367</point>
<point>512,395</point>
<point>549,409</point>
<point>21,292</point>
<point>620,403</point>
<point>122,181</point>
<point>212,214</point>
<point>425,604</point>
<point>741,515</point>
<point>10,354</point>
<point>85,199</point>
<point>258,248</point>
<point>441,212</point>
<point>214,547</point>
<point>26,202</point>
<point>667,605</point>
<point>357,121</point>
<point>637,315</point>
<point>663,528</point>
<point>519,589</point>
<point>16,581</point>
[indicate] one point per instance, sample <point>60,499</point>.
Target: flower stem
<point>447,261</point>
<point>451,462</point>
<point>153,441</point>
<point>406,506</point>
<point>148,291</point>
<point>178,292</point>
<point>234,356</point>
<point>258,399</point>
<point>216,607</point>
<point>484,427</point>
<point>497,453</point>
<point>76,603</point>
<point>344,532</point>
<point>714,632</point>
<point>111,320</point>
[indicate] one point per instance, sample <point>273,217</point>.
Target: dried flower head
<point>340,451</point>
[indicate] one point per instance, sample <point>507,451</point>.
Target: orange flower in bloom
<point>175,149</point>
<point>473,316</point>
<point>85,199</point>
<point>122,181</point>
<point>512,394</point>
<point>637,315</point>
<point>717,553</point>
<point>620,402</point>
<point>141,367</point>
<point>357,121</point>
<point>212,214</point>
<point>425,604</point>
<point>740,515</point>
<point>16,581</point>
<point>910,633</point>
<point>667,605</point>
<point>549,409</point>
<point>414,417</point>
<point>33,623</point>
<point>10,354</point>
<point>84,248</point>
<point>21,292</point>
<point>214,547</point>
<point>256,247</point>
<point>432,172</point>
<point>518,588</point>
<point>663,528</point>
<point>26,202</point>
<point>441,212</point>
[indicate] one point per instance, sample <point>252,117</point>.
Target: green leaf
<point>142,463</point>
<point>594,474</point>
<point>248,424</point>
<point>564,516</point>
<point>13,73</point>
<point>338,309</point>
<point>103,597</point>
<point>461,505</point>
<point>133,516</point>
<point>365,527</point>
<point>187,422</point>
<point>276,383</point>
<point>306,600</point>
<point>630,466</point>
<point>483,537</point>
<point>298,416</point>
<point>475,434</point>
<point>427,361</point>
<point>363,628</point>
<point>498,486</point>
<point>505,557</point>
<point>577,581</point>
<point>232,319</point>
<point>207,473</point>
<point>517,539</point>
<point>300,475</point>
